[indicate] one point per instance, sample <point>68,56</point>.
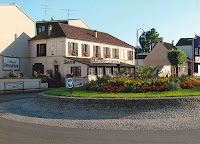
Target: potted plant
<point>97,54</point>
<point>74,53</point>
<point>86,53</point>
<point>107,55</point>
<point>69,75</point>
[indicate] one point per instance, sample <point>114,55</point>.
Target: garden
<point>145,82</point>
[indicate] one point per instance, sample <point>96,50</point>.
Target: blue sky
<point>173,19</point>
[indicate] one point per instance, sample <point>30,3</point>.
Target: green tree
<point>176,57</point>
<point>148,41</point>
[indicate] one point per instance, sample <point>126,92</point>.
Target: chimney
<point>95,34</point>
<point>49,30</point>
<point>173,42</point>
<point>52,18</point>
<point>161,39</point>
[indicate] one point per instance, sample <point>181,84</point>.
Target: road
<point>25,133</point>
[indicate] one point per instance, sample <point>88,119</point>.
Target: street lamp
<point>143,34</point>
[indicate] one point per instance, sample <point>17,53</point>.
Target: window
<point>179,69</point>
<point>196,51</point>
<point>184,68</point>
<point>85,50</point>
<point>41,50</point>
<point>76,71</point>
<point>73,49</point>
<point>93,71</point>
<point>130,55</point>
<point>109,71</point>
<point>116,53</point>
<point>100,71</point>
<point>106,52</point>
<point>41,29</point>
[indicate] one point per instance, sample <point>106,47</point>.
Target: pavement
<point>25,131</point>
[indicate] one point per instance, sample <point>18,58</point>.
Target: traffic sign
<point>70,82</point>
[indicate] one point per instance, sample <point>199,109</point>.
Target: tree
<point>176,57</point>
<point>148,41</point>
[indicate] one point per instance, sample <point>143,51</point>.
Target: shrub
<point>154,88</point>
<point>110,88</point>
<point>189,84</point>
<point>174,86</point>
<point>12,74</point>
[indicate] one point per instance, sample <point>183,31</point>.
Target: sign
<point>11,63</point>
<point>69,62</point>
<point>102,60</point>
<point>197,59</point>
<point>70,83</point>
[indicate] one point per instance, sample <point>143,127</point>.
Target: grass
<point>80,92</point>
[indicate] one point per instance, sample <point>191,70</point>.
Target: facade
<point>83,52</point>
<point>158,57</point>
<point>43,25</point>
<point>16,29</point>
<point>191,46</point>
<point>140,59</point>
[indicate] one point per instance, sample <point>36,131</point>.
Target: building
<point>140,59</point>
<point>83,52</point>
<point>16,29</point>
<point>43,25</point>
<point>158,57</point>
<point>191,46</point>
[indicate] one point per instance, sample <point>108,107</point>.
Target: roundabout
<point>106,113</point>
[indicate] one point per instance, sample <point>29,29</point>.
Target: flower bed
<point>125,84</point>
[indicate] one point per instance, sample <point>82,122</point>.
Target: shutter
<point>128,55</point>
<point>117,53</point>
<point>69,49</point>
<point>45,50</point>
<point>83,50</point>
<point>99,49</point>
<point>76,48</point>
<point>38,50</point>
<point>109,52</point>
<point>94,51</point>
<point>88,50</point>
<point>113,53</point>
<point>131,55</point>
<point>104,52</point>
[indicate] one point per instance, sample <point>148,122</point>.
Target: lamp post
<point>137,42</point>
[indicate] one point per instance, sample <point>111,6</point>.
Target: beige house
<point>81,51</point>
<point>16,28</point>
<point>158,57</point>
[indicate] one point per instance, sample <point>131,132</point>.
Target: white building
<point>16,28</point>
<point>83,52</point>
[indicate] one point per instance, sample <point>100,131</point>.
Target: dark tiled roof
<point>87,62</point>
<point>169,46</point>
<point>72,32</point>
<point>184,41</point>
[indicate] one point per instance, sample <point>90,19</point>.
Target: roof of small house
<point>169,46</point>
<point>184,41</point>
<point>72,32</point>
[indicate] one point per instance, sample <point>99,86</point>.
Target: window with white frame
<point>100,71</point>
<point>130,55</point>
<point>108,70</point>
<point>184,68</point>
<point>116,53</point>
<point>92,71</point>
<point>76,71</point>
<point>73,49</point>
<point>85,50</point>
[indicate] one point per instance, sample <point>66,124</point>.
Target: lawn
<point>81,92</point>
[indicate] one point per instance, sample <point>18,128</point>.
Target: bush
<point>12,74</point>
<point>174,86</point>
<point>189,84</point>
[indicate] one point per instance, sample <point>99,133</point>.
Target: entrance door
<point>55,69</point>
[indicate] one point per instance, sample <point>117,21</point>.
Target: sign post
<point>70,84</point>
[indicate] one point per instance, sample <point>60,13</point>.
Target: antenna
<point>45,7</point>
<point>68,12</point>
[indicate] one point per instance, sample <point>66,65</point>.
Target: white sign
<point>102,60</point>
<point>11,63</point>
<point>197,59</point>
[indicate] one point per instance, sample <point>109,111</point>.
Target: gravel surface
<point>146,114</point>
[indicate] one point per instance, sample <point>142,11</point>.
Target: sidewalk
<point>22,92</point>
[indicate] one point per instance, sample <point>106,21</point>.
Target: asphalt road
<point>12,132</point>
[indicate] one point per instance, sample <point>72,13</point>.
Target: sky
<point>172,19</point>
